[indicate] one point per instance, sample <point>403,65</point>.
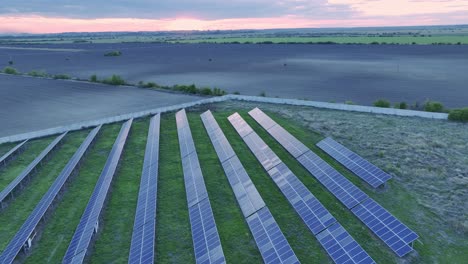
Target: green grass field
<point>338,40</point>
<point>173,236</point>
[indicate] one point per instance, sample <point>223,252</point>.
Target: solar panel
<point>311,211</point>
<point>264,154</point>
<point>241,126</point>
<point>265,121</point>
<point>352,197</point>
<point>20,178</point>
<point>337,184</point>
<point>143,236</point>
<point>32,222</point>
<point>294,146</point>
<point>355,163</point>
<point>394,233</point>
<point>89,221</point>
<point>273,246</point>
<point>341,247</point>
<point>206,242</point>
<point>193,177</point>
<point>9,154</point>
<point>207,245</point>
<point>247,195</point>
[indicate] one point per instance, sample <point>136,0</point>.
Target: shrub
<point>114,80</point>
<point>431,106</point>
<point>263,94</point>
<point>37,73</point>
<point>151,85</point>
<point>349,103</point>
<point>236,93</point>
<point>403,105</point>
<point>114,53</point>
<point>206,91</point>
<point>10,70</point>
<point>459,115</point>
<point>382,103</point>
<point>93,78</point>
<point>61,77</point>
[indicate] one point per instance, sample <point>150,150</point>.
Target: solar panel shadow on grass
<point>365,170</point>
<point>206,241</point>
<point>143,236</point>
<point>89,222</point>
<point>271,242</point>
<point>21,238</point>
<point>7,156</point>
<point>383,224</point>
<point>341,248</point>
<point>16,183</point>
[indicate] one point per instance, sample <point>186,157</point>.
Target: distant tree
<point>93,78</point>
<point>263,94</point>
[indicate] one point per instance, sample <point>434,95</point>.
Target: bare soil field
<point>30,104</point>
<point>339,73</point>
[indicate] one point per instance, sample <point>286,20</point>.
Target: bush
<point>61,77</point>
<point>382,103</point>
<point>114,53</point>
<point>262,94</point>
<point>114,80</point>
<point>236,93</point>
<point>38,74</point>
<point>10,70</point>
<point>459,115</point>
<point>431,106</point>
<point>206,91</point>
<point>349,103</point>
<point>150,85</point>
<point>401,105</point>
<point>93,78</point>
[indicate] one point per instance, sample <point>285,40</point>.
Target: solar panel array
<point>341,246</point>
<point>32,222</point>
<point>271,242</point>
<point>29,169</point>
<point>394,233</point>
<point>312,212</point>
<point>380,221</point>
<point>144,235</point>
<point>9,154</point>
<point>89,221</point>
<point>206,241</point>
<point>355,163</point>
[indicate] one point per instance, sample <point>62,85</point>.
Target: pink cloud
<point>41,24</point>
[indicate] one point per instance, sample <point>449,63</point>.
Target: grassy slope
<point>13,217</point>
<point>238,244</point>
<point>62,223</point>
<point>341,40</point>
<point>117,224</point>
<point>173,237</point>
<point>9,172</point>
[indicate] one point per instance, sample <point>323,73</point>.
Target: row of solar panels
<point>337,242</point>
<point>383,224</point>
<point>206,241</point>
<point>269,238</point>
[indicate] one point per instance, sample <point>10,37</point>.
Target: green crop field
<point>173,236</point>
<point>338,40</point>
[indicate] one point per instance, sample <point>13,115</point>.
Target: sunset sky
<point>47,16</point>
